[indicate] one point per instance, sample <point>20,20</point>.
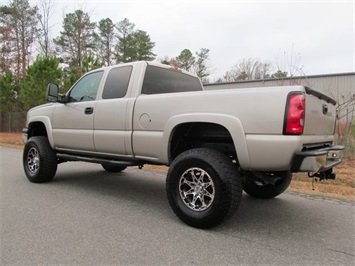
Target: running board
<point>69,157</point>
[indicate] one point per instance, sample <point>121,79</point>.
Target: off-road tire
<point>226,192</point>
<point>39,160</point>
<point>113,168</point>
<point>267,191</point>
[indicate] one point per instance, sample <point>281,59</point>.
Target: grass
<point>343,187</point>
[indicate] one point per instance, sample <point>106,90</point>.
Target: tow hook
<point>322,176</point>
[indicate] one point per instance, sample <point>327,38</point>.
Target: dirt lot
<point>343,187</point>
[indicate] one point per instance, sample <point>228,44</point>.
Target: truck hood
<point>40,107</point>
<point>44,110</point>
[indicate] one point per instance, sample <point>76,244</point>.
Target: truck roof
<point>151,63</point>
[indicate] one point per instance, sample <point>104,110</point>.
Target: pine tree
<point>133,45</point>
<point>33,88</point>
<point>185,60</point>
<point>77,38</point>
<point>105,39</point>
<point>18,26</point>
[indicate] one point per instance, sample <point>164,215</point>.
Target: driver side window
<point>86,88</point>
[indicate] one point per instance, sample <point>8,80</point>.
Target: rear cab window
<point>117,81</point>
<point>161,80</point>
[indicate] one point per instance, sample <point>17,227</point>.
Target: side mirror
<point>52,92</point>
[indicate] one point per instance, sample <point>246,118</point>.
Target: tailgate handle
<point>325,109</point>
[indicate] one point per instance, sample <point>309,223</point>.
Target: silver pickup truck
<point>217,143</point>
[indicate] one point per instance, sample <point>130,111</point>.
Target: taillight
<point>294,115</point>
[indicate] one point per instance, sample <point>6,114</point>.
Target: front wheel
<point>203,187</point>
<point>267,191</point>
<point>39,160</point>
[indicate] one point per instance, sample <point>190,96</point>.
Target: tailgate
<point>320,114</point>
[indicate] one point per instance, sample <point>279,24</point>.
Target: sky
<point>316,37</point>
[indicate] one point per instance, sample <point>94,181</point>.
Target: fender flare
<point>47,124</point>
<point>231,123</point>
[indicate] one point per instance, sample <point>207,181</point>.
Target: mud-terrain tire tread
<point>226,177</point>
<point>48,160</point>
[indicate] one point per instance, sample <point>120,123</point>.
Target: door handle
<point>325,109</point>
<point>89,110</point>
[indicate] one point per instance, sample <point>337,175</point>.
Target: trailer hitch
<point>323,175</point>
<point>326,175</point>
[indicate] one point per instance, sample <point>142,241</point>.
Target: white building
<point>335,85</point>
<point>341,87</point>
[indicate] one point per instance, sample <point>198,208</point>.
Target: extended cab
<point>217,143</point>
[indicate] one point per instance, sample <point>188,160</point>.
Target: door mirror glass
<point>52,92</point>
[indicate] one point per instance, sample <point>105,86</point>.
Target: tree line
<point>82,45</point>
<point>30,58</point>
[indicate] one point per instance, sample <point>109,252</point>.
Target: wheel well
<point>201,135</point>
<point>37,129</point>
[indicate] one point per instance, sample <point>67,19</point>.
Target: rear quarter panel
<point>258,111</point>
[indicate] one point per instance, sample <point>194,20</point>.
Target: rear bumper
<point>318,160</point>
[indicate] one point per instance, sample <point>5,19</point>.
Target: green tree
<point>125,29</point>
<point>201,68</point>
<point>141,47</point>
<point>133,45</point>
<point>6,51</point>
<point>33,88</point>
<point>70,75</point>
<point>279,74</point>
<point>185,60</point>
<point>18,26</point>
<point>105,39</point>
<point>91,62</point>
<point>77,38</point>
<point>9,93</point>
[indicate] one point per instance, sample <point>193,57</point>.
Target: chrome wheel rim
<point>33,160</point>
<point>196,189</point>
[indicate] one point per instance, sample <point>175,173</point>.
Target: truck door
<point>112,121</point>
<point>73,122</point>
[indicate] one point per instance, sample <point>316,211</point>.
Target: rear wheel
<point>203,187</point>
<point>113,168</point>
<point>39,160</point>
<point>267,191</point>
